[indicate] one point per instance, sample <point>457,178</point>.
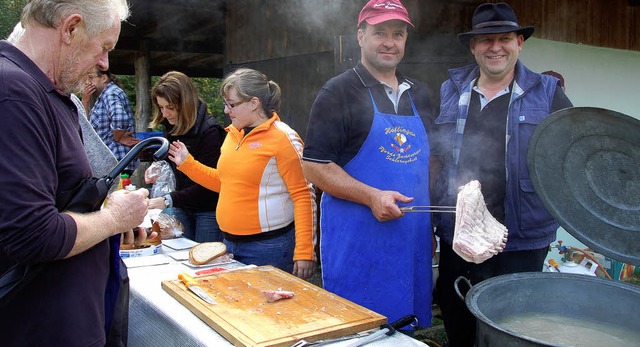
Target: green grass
<point>434,336</point>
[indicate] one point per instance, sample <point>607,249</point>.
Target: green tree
<point>209,91</point>
<point>10,15</point>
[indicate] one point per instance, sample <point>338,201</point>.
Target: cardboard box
<point>619,270</point>
<point>141,251</point>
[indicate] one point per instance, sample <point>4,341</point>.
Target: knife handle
<point>187,280</point>
<point>400,323</point>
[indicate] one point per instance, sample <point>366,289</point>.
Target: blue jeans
<point>277,252</point>
<point>199,226</point>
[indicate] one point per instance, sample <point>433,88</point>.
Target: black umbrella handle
<point>160,154</point>
<point>90,193</point>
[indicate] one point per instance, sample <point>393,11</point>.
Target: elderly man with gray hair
<point>61,299</point>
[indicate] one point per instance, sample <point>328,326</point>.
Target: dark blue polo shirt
<point>42,154</point>
<point>342,114</point>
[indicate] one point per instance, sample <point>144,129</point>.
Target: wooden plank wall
<point>602,23</point>
<point>293,41</point>
<point>271,29</point>
<point>298,49</point>
<point>280,28</point>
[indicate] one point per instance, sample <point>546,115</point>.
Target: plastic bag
<point>161,176</point>
<point>167,226</point>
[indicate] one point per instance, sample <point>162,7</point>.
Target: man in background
<point>111,115</point>
<point>488,112</point>
<point>558,76</point>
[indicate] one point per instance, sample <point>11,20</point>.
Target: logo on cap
<point>389,6</point>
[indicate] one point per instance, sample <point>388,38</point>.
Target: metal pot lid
<point>584,163</point>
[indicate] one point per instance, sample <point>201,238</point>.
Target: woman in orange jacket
<point>266,208</point>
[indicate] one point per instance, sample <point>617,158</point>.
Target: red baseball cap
<point>378,11</point>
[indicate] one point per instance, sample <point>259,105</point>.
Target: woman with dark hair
<point>266,208</point>
<point>184,116</point>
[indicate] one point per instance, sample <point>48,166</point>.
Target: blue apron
<point>383,266</point>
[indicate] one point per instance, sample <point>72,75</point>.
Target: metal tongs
<point>434,209</point>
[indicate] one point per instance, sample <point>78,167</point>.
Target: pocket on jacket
<point>533,213</point>
<point>532,116</point>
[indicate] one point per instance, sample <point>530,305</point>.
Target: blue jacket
<point>529,223</point>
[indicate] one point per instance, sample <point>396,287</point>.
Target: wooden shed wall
<point>294,41</point>
<point>602,23</point>
<point>277,28</point>
<point>297,44</point>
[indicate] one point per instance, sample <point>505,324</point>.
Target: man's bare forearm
<point>124,211</point>
<point>332,179</point>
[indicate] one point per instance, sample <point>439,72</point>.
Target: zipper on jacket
<point>257,129</point>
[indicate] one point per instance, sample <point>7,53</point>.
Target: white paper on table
<point>179,255</point>
<point>179,244</point>
<point>157,259</point>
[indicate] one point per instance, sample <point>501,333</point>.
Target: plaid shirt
<point>112,111</point>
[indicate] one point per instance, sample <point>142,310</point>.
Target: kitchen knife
<point>364,336</point>
<point>193,286</point>
<point>387,329</point>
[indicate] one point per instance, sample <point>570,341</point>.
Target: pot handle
<point>455,285</point>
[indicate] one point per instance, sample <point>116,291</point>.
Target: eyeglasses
<point>231,106</point>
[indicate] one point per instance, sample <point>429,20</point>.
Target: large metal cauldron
<point>585,166</point>
<point>549,293</point>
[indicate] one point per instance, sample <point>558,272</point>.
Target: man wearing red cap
<point>488,112</point>
<point>367,148</point>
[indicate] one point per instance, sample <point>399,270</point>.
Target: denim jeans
<point>277,252</point>
<point>199,226</point>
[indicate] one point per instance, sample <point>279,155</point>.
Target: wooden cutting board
<point>244,317</point>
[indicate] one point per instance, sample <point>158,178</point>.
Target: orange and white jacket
<point>261,184</point>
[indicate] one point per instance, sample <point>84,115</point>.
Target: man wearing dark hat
<point>366,147</point>
<point>488,112</point>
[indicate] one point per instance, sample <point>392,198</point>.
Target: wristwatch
<point>167,200</point>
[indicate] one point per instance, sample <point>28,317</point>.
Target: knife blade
<point>305,343</point>
<point>193,286</point>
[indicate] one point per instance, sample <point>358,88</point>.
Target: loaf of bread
<point>205,252</point>
<point>167,226</point>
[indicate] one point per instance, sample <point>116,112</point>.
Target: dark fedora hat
<point>494,19</point>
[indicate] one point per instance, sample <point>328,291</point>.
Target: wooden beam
<point>143,86</point>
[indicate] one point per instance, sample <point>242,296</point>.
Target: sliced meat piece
<point>275,295</point>
<point>478,235</point>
